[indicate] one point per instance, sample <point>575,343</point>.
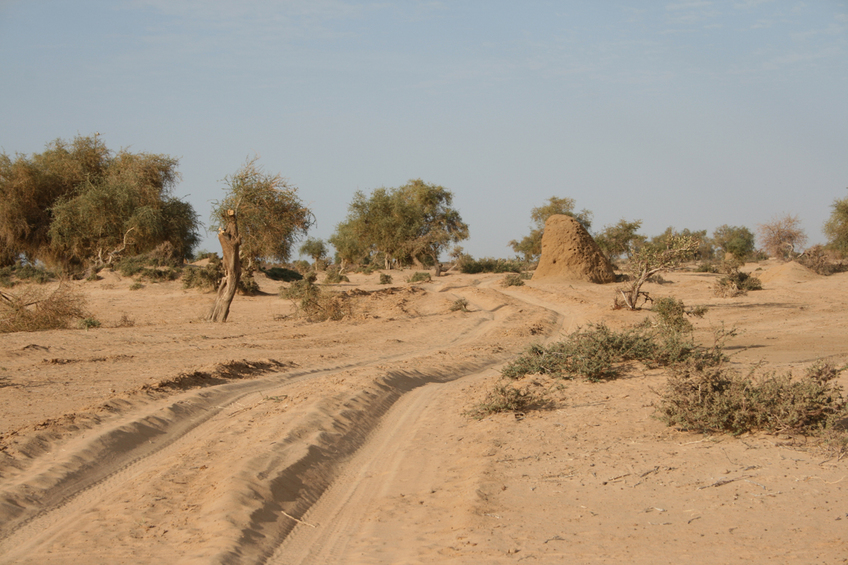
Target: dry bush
<point>34,309</point>
<point>782,236</point>
<point>822,261</point>
<point>510,396</point>
<point>315,304</point>
<point>719,399</point>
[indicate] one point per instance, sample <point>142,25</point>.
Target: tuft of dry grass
<point>35,309</point>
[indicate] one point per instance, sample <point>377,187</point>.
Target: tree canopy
<point>77,201</point>
<point>271,216</point>
<point>836,227</point>
<point>413,222</point>
<point>530,246</point>
<point>620,239</point>
<point>737,240</point>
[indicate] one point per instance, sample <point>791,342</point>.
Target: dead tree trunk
<point>230,243</point>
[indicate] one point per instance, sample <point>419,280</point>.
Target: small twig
<point>287,515</point>
<point>724,482</point>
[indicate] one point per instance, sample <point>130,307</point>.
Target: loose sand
<point>272,440</point>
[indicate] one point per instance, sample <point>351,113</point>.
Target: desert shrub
<point>136,286</point>
<point>247,286</point>
<point>513,279</point>
<point>706,267</point>
<point>315,304</point>
<point>459,305</point>
<point>156,275</point>
<point>472,266</point>
<point>302,267</point>
<point>21,271</point>
<point>671,315</point>
<point>89,323</point>
<point>821,261</point>
<point>385,278</point>
<point>598,353</point>
<point>125,321</point>
<point>419,277</point>
<point>719,399</point>
<point>282,274</point>
<point>33,273</point>
<point>736,283</point>
<point>33,309</point>
<point>506,397</point>
<point>206,278</point>
<point>335,277</point>
<point>203,254</point>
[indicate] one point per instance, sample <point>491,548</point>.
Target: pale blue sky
<point>685,113</point>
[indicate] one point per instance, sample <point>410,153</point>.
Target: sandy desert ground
<point>272,440</point>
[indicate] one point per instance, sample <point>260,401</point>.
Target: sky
<point>683,113</point>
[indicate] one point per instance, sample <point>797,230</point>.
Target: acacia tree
<point>652,259</point>
<point>315,248</point>
<point>782,236</point>
<point>415,221</point>
<point>736,240</point>
<point>271,216</point>
<point>836,227</point>
<point>349,248</point>
<point>530,246</point>
<point>620,239</point>
<point>30,186</point>
<point>260,216</point>
<point>78,203</point>
<point>128,209</point>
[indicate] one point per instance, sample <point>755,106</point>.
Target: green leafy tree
<point>412,222</point>
<point>349,248</point>
<point>270,215</point>
<point>315,248</point>
<point>836,227</point>
<point>620,239</point>
<point>129,209</point>
<point>736,240</point>
<point>31,185</point>
<point>530,246</point>
<point>782,236</point>
<point>78,203</point>
<point>705,246</point>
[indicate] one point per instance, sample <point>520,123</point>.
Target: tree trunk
<point>230,243</point>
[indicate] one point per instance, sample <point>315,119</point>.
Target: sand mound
<point>790,272</point>
<point>570,254</point>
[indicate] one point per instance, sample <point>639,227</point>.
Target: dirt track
<point>346,442</point>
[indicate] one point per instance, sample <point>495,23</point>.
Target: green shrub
<point>385,278</point>
<point>335,277</point>
<point>89,323</point>
<point>720,399</point>
<point>512,279</point>
<point>706,267</point>
<point>247,286</point>
<point>206,278</point>
<point>599,353</point>
<point>136,286</point>
<point>420,277</point>
<point>490,265</point>
<point>736,283</point>
<point>313,303</point>
<point>282,274</point>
